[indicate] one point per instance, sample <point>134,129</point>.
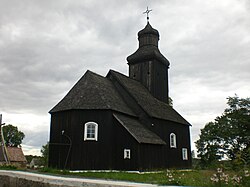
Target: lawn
<point>216,177</point>
<point>169,177</point>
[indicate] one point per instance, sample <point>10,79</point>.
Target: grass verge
<point>204,178</point>
<point>168,177</point>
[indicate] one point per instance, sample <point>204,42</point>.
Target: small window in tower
<point>172,140</point>
<point>90,131</point>
<point>126,153</point>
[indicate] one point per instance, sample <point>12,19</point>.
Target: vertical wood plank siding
<point>113,138</point>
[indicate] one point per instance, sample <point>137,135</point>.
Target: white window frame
<point>184,153</point>
<point>172,141</point>
<point>127,154</point>
<point>86,126</point>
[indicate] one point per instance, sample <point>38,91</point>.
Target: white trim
<point>95,129</point>
<point>172,140</point>
<point>127,154</point>
<point>184,154</point>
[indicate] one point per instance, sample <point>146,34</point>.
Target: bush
<point>8,167</point>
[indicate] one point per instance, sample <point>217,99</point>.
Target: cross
<point>147,12</point>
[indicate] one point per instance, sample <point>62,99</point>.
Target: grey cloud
<point>35,138</point>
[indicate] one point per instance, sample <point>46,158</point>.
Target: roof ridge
<point>113,73</point>
<point>95,75</point>
<point>92,73</point>
<point>129,85</point>
<point>136,83</point>
<point>101,96</point>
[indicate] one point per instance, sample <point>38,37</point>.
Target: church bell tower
<point>148,66</point>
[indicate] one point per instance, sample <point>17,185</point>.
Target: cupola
<point>148,36</point>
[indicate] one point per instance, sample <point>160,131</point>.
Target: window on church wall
<point>126,153</point>
<point>184,154</point>
<point>173,140</point>
<point>90,131</point>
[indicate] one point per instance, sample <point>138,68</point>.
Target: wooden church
<point>121,122</point>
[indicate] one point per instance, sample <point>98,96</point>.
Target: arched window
<point>90,131</point>
<point>172,140</point>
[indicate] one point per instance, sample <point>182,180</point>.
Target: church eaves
<point>138,130</point>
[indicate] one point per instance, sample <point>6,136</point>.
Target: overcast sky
<point>46,46</point>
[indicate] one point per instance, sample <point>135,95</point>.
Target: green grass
<point>173,177</point>
<point>165,177</point>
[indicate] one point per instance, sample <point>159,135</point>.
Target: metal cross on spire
<point>147,12</point>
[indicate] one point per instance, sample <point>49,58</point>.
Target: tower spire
<point>147,65</point>
<point>147,12</point>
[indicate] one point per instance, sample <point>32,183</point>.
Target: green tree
<point>228,135</point>
<point>12,136</point>
<point>45,153</point>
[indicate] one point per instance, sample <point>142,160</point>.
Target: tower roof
<point>148,30</point>
<point>148,47</point>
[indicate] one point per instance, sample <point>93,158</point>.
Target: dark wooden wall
<point>106,153</point>
<point>113,138</point>
<point>83,154</point>
<point>59,145</point>
<point>163,129</point>
<point>123,140</point>
<point>152,157</point>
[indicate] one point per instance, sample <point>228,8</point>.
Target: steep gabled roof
<point>93,91</point>
<point>15,154</point>
<point>138,130</point>
<point>152,106</point>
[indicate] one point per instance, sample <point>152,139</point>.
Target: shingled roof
<point>138,130</point>
<point>15,154</point>
<point>148,30</point>
<point>148,47</point>
<point>93,91</point>
<point>152,106</point>
<point>147,53</point>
